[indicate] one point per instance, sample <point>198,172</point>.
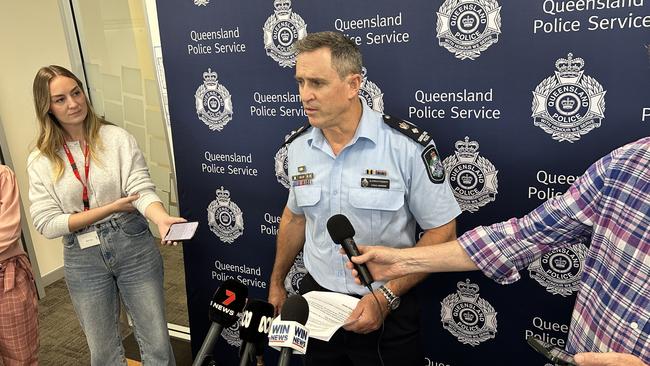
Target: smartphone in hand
<point>557,355</point>
<point>181,231</point>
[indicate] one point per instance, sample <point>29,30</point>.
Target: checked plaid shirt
<point>608,209</point>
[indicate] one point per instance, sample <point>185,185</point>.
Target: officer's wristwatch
<point>393,300</point>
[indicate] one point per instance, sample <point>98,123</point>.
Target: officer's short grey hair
<point>346,57</point>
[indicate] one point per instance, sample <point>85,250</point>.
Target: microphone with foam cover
<point>342,233</point>
<point>254,327</point>
<point>225,306</point>
<point>288,333</point>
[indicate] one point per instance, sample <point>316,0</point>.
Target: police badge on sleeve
<point>433,164</point>
<point>225,218</point>
<point>371,93</point>
<point>472,177</point>
<point>213,102</point>
<point>568,104</point>
<point>468,27</point>
<point>281,30</point>
<point>559,271</point>
<point>468,317</point>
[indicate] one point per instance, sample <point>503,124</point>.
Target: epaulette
<point>409,129</point>
<point>294,134</point>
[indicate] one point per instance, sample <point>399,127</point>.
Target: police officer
<point>377,171</point>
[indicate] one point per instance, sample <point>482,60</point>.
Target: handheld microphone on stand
<point>254,328</point>
<point>225,306</point>
<point>342,233</point>
<point>288,333</point>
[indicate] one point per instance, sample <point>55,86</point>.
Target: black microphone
<point>254,327</point>
<point>225,306</point>
<point>288,333</point>
<point>341,231</point>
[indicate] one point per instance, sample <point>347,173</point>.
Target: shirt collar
<point>367,129</point>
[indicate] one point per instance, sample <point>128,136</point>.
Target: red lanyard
<point>84,195</point>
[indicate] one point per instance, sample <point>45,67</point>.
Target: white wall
<point>31,35</point>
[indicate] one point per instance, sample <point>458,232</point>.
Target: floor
<point>62,340</point>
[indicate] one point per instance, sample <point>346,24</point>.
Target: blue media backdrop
<point>520,97</point>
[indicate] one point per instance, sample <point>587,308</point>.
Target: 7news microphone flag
<point>225,306</point>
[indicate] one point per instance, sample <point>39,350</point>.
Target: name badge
<point>88,240</point>
<point>375,183</point>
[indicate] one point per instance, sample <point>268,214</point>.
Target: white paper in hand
<point>328,312</point>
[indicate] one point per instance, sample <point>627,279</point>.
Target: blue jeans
<point>128,263</point>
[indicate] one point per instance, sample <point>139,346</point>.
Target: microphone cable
<point>381,332</point>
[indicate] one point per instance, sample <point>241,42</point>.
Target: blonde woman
<point>89,183</point>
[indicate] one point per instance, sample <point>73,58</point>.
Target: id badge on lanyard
<point>75,170</point>
<point>89,239</point>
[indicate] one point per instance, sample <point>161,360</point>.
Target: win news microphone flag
<point>254,327</point>
<point>288,333</point>
<point>225,306</point>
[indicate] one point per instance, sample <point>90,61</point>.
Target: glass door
<point>119,57</point>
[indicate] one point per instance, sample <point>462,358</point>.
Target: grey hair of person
<point>346,56</point>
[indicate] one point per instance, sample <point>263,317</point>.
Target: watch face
<point>395,303</point>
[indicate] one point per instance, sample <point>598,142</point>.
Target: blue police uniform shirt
<point>324,184</point>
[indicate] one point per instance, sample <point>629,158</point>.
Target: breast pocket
<point>307,196</point>
<point>381,204</point>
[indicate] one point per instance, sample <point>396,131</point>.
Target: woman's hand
<point>124,204</point>
<point>163,228</point>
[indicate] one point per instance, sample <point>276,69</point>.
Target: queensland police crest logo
<point>213,103</point>
<point>296,274</point>
<point>231,334</point>
<point>371,93</point>
<point>472,177</point>
<point>282,163</point>
<point>281,30</point>
<point>225,218</point>
<point>201,2</point>
<point>468,27</point>
<point>468,317</point>
<point>559,271</point>
<point>568,104</point>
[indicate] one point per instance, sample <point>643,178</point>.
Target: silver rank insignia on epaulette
<point>295,134</point>
<point>409,129</point>
<point>430,155</point>
<point>424,137</point>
